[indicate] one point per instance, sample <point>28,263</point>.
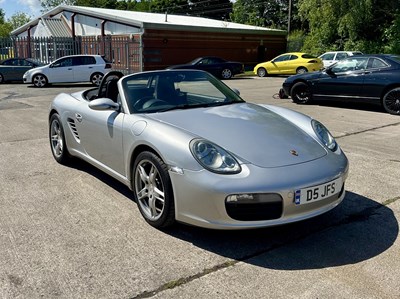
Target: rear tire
<point>301,70</point>
<point>300,93</point>
<point>1,78</point>
<point>262,72</point>
<point>96,78</point>
<point>226,74</point>
<point>391,101</point>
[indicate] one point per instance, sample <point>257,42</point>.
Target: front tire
<point>152,190</point>
<point>300,93</point>
<point>57,140</point>
<point>262,72</point>
<point>1,78</point>
<point>96,78</point>
<point>39,80</point>
<point>391,101</point>
<point>226,74</point>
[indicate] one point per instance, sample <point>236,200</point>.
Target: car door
<point>100,134</point>
<point>376,78</point>
<point>342,80</point>
<point>83,68</point>
<point>21,67</point>
<point>61,70</point>
<point>278,64</point>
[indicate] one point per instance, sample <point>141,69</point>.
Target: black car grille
<point>256,210</point>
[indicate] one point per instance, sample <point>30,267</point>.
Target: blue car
<point>367,78</point>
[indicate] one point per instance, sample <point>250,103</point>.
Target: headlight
<point>213,157</point>
<point>324,135</point>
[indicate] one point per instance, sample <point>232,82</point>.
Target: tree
<point>348,24</point>
<point>50,4</point>
<point>19,19</point>
<point>271,13</point>
<point>14,22</point>
<point>213,9</point>
<point>170,6</point>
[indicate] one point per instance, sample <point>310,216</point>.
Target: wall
<point>162,48</point>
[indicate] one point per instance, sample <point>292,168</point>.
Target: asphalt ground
<point>74,232</point>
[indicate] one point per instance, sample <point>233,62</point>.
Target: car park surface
<point>73,232</point>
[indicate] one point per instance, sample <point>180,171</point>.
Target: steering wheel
<point>147,102</point>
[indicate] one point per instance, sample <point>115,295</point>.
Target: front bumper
<point>200,197</point>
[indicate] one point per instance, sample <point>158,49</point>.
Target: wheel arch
<point>139,149</point>
<point>387,88</point>
<point>297,81</point>
<point>302,67</point>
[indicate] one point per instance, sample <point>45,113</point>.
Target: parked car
<point>330,58</point>
<point>289,64</point>
<point>13,69</point>
<point>192,150</point>
<point>219,67</point>
<point>369,78</point>
<point>68,69</point>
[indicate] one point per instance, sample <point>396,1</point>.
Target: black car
<point>13,69</point>
<point>369,78</point>
<point>214,65</point>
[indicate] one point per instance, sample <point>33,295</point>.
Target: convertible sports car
<point>193,151</point>
<point>367,78</point>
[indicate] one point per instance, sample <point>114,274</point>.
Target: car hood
<point>305,76</point>
<point>251,132</point>
<point>38,68</point>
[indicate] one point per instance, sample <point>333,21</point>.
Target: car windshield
<point>162,91</point>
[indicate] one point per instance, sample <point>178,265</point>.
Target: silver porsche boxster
<point>193,151</point>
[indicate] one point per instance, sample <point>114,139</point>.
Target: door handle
<point>70,69</point>
<point>78,117</point>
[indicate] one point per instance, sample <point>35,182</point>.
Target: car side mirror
<point>102,104</point>
<point>236,91</point>
<point>329,71</point>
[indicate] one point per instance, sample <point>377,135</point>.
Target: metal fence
<point>125,52</point>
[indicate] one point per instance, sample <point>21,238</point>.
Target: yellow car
<point>289,64</point>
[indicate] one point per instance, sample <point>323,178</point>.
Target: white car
<point>68,69</point>
<point>330,58</point>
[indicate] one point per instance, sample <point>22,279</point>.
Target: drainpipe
<point>29,42</point>
<point>103,36</point>
<point>73,33</point>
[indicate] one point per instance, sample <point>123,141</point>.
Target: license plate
<point>312,194</point>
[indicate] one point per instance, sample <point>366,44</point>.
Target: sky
<point>11,7</point>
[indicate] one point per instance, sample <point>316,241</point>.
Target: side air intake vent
<point>74,131</point>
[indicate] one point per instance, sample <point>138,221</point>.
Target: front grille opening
<point>254,207</point>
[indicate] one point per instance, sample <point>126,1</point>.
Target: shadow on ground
<point>357,230</point>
